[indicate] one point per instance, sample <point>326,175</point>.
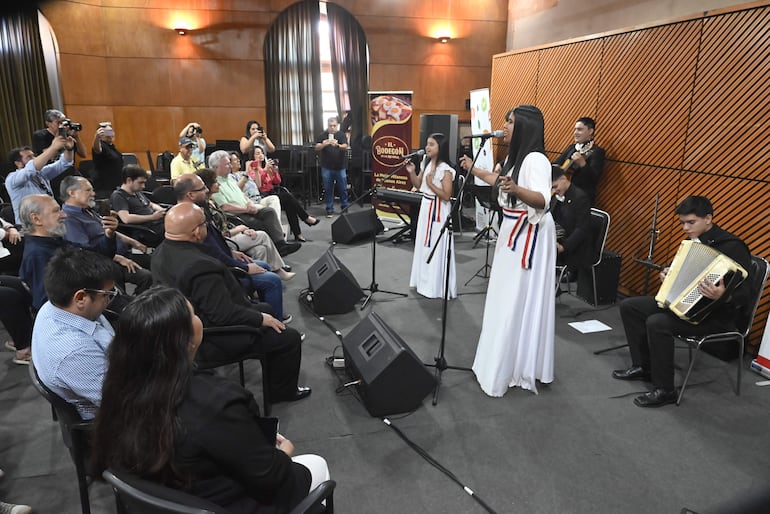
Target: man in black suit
<point>571,211</point>
<point>219,300</point>
<point>583,161</point>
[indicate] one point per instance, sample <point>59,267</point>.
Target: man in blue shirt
<point>33,176</point>
<point>86,229</point>
<point>71,335</point>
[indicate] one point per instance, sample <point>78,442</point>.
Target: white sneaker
<point>9,508</point>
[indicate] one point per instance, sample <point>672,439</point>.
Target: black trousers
<point>650,334</point>
<point>294,210</point>
<point>15,313</point>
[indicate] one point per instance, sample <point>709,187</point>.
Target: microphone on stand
<point>485,136</point>
<point>418,153</point>
<point>650,264</point>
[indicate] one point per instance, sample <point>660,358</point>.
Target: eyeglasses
<point>204,188</point>
<point>111,294</point>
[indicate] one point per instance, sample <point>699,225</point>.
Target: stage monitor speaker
<point>607,277</point>
<point>353,226</point>
<point>334,289</point>
<point>392,378</point>
<point>443,123</point>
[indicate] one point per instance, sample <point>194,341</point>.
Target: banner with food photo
<point>391,117</point>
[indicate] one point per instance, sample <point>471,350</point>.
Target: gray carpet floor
<point>579,446</point>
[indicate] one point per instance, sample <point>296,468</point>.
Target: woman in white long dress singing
<point>435,182</point>
<point>516,343</point>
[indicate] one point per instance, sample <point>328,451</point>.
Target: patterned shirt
<point>70,355</point>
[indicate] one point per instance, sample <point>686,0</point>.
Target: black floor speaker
<point>334,288</point>
<point>392,378</point>
<point>607,277</point>
<point>354,226</point>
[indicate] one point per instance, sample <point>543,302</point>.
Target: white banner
<point>481,123</point>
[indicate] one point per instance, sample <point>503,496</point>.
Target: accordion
<point>693,263</point>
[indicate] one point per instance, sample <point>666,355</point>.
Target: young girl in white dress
<point>434,181</point>
<point>516,343</point>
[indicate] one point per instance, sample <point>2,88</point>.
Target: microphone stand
<point>650,251</point>
<point>440,360</point>
<point>371,193</point>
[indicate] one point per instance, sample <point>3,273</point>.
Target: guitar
<point>584,149</point>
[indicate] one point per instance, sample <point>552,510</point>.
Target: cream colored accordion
<point>693,263</point>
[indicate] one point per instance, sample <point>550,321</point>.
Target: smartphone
<point>103,207</point>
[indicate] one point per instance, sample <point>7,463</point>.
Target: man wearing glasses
<point>71,335</point>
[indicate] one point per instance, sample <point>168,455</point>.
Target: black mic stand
<point>440,360</point>
<point>371,193</point>
<point>650,251</point>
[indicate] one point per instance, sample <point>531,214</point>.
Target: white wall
<point>537,22</point>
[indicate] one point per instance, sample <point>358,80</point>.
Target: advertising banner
<point>481,123</point>
<point>391,118</point>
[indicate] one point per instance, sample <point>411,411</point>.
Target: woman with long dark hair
<point>268,180</point>
<point>255,137</point>
<point>435,181</point>
<point>516,343</point>
<point>165,422</point>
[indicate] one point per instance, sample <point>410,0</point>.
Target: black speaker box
<point>392,378</point>
<point>335,290</point>
<point>607,277</point>
<point>353,226</point>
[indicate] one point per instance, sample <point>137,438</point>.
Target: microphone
<point>650,264</point>
<point>418,153</point>
<point>488,135</point>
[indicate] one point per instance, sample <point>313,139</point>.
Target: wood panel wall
<point>120,60</point>
<point>681,108</point>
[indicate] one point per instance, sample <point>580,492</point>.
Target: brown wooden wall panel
<point>645,92</point>
<point>729,130</point>
<point>682,109</point>
<point>562,98</point>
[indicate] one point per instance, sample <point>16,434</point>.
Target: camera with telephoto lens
<point>66,125</point>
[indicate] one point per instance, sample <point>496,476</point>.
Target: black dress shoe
<point>286,248</point>
<point>302,392</point>
<point>286,268</point>
<point>656,398</point>
<point>632,373</point>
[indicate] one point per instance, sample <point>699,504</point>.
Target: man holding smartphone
<point>108,161</point>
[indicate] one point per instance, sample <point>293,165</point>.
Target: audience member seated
<point>134,208</point>
<point>71,335</point>
<point>86,229</point>
<point>246,179</point>
<point>583,161</point>
<point>194,131</point>
<point>15,303</point>
<point>189,429</point>
<point>571,211</point>
<point>254,137</point>
<point>183,161</point>
<point>269,183</point>
<point>184,263</point>
<point>254,243</point>
<point>106,175</point>
<point>11,248</point>
<point>189,188</point>
<point>232,200</point>
<point>43,223</point>
<point>33,174</point>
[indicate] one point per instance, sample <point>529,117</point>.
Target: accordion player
<point>693,263</point>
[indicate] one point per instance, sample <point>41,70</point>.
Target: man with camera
<point>33,174</point>
<point>194,131</point>
<point>106,175</point>
<point>57,124</point>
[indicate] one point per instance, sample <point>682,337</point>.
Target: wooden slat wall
<point>681,108</point>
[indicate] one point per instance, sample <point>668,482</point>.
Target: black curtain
<point>292,77</point>
<point>350,66</point>
<point>24,89</point>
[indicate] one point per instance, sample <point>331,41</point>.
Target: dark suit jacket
<point>574,216</point>
<point>220,446</point>
<point>216,295</point>
<point>587,177</point>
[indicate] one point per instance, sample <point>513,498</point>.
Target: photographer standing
<point>106,176</point>
<point>255,136</point>
<point>57,124</point>
<point>194,131</point>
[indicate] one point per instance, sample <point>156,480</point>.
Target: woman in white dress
<point>516,343</point>
<point>434,181</point>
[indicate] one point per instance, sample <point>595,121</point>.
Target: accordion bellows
<point>693,263</point>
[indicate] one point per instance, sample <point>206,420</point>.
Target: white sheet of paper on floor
<point>588,326</point>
